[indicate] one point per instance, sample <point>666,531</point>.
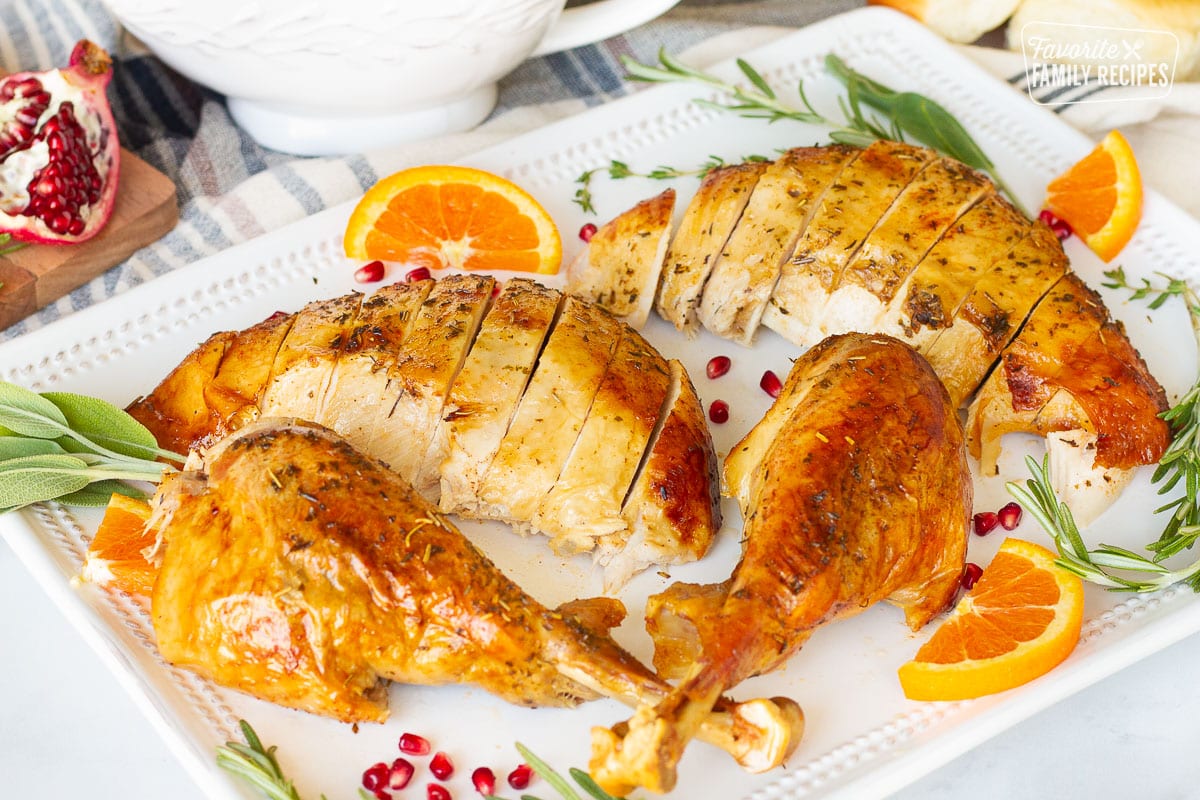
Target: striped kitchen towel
<point>230,189</point>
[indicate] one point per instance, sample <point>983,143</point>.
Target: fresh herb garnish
<point>904,114</point>
<point>1107,565</point>
<point>256,765</point>
<point>1181,462</point>
<point>618,170</point>
<point>7,245</point>
<point>71,448</point>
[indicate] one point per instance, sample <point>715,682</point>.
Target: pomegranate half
<point>59,154</point>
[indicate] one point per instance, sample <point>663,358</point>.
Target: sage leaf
<point>104,424</point>
<point>32,479</point>
<point>926,120</point>
<point>19,447</point>
<point>97,495</point>
<point>29,414</point>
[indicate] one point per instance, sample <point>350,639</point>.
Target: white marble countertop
<point>70,730</point>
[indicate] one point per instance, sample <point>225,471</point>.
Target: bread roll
<point>1180,17</point>
<point>957,20</point>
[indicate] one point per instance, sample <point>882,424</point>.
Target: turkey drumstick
<point>303,572</point>
<point>855,489</point>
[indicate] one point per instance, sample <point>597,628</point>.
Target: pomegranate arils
<point>717,366</point>
<point>971,573</point>
<point>484,780</point>
<point>414,745</point>
<point>1061,228</point>
<point>1009,516</point>
<point>984,522</point>
<point>381,794</point>
<point>718,412</point>
<point>400,774</point>
<point>371,272</point>
<point>375,776</point>
<point>519,778</point>
<point>437,792</point>
<point>418,274</point>
<point>771,384</point>
<point>441,766</point>
<point>59,149</point>
<point>587,232</point>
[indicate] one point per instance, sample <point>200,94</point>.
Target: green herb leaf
<point>19,446</point>
<point>933,125</point>
<point>104,424</point>
<point>98,494</point>
<point>34,479</point>
<point>590,786</point>
<point>751,73</point>
<point>29,414</point>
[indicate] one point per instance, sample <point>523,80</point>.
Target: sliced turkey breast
<point>991,314</point>
<point>585,501</point>
<point>621,266</point>
<point>486,392</point>
<point>888,257</point>
<point>787,196</point>
<point>863,192</point>
<point>926,305</point>
<point>709,219</point>
<point>420,379</point>
<point>551,413</point>
<point>235,391</point>
<point>360,376</point>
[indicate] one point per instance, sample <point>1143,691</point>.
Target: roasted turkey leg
<point>303,572</point>
<point>860,492</point>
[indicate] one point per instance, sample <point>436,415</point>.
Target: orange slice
<point>1101,196</point>
<point>115,557</point>
<point>1021,619</point>
<point>442,217</point>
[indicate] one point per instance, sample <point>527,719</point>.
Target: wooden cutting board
<point>39,274</point>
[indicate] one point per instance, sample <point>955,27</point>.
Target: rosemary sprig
<point>1108,565</point>
<point>904,113</point>
<point>256,765</point>
<point>1180,464</point>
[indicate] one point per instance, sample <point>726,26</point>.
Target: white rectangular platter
<point>863,738</point>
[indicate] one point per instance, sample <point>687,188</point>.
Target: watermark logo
<point>1067,63</point>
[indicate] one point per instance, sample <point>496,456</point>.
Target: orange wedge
<point>1021,619</point>
<point>115,557</point>
<point>1101,196</point>
<point>442,217</point>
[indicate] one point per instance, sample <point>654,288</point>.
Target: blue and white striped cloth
<point>231,189</point>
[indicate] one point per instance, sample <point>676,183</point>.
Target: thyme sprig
<point>1108,565</point>
<point>619,170</point>
<point>1180,464</point>
<point>904,114</point>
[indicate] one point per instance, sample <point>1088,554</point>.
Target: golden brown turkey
<point>298,570</point>
<point>856,489</point>
<point>893,239</point>
<point>531,407</point>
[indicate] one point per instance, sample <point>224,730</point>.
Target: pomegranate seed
<point>496,288</point>
<point>717,366</point>
<point>441,766</point>
<point>484,780</point>
<point>1009,516</point>
<point>435,792</point>
<point>370,272</point>
<point>1061,228</point>
<point>375,776</point>
<point>400,774</point>
<point>718,412</point>
<point>519,778</point>
<point>984,522</point>
<point>971,573</point>
<point>771,384</point>
<point>414,745</point>
<point>587,232</point>
<point>418,274</point>
<point>380,794</point>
